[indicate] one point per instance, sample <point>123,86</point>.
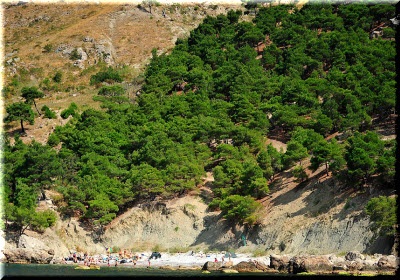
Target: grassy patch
<point>306,273</point>
<point>259,252</point>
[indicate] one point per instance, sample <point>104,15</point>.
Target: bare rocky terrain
<point>315,217</point>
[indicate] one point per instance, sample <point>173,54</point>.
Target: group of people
<point>223,258</point>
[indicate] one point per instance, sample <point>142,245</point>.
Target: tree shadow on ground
<point>320,194</point>
<point>12,131</point>
<point>215,229</point>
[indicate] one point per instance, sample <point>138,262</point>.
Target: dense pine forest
<point>299,75</point>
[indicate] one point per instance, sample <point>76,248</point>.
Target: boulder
<point>261,266</point>
<point>279,262</point>
<point>387,262</point>
<point>353,255</point>
<point>228,264</point>
<point>339,267</point>
<point>24,255</point>
<point>309,264</point>
<point>246,267</point>
<point>212,266</point>
<point>355,265</point>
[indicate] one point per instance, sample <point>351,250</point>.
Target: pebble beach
<point>176,260</point>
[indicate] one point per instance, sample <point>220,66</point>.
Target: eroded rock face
<point>29,242</point>
<point>25,255</point>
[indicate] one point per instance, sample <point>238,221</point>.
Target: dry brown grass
<point>132,32</point>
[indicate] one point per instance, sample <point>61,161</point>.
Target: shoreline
<point>175,260</point>
<point>187,261</point>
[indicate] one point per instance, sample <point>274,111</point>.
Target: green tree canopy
<point>30,94</point>
<point>19,112</point>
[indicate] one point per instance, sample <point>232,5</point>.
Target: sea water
<point>54,270</point>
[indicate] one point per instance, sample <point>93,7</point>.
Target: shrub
<point>382,211</point>
<point>240,208</point>
<point>48,113</point>
<point>42,220</point>
<point>299,173</point>
<point>114,90</point>
<point>75,55</point>
<point>48,48</point>
<point>57,77</point>
<point>214,204</point>
<point>110,75</point>
<point>53,140</point>
<point>70,111</point>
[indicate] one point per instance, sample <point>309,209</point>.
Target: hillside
<point>124,34</point>
<point>195,126</point>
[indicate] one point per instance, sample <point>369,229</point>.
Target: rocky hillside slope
<point>40,39</point>
<point>316,217</point>
<point>313,218</point>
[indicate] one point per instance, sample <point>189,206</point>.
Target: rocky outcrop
<point>212,266</point>
<point>309,264</point>
<point>248,266</point>
<point>32,243</point>
<point>388,263</point>
<point>280,263</point>
<point>319,237</point>
<point>227,264</point>
<point>352,262</point>
<point>25,255</point>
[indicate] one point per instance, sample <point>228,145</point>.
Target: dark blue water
<point>41,271</point>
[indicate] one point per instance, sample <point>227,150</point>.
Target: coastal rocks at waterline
<point>280,263</point>
<point>26,255</point>
<point>309,263</point>
<point>243,266</point>
<point>212,266</point>
<point>388,263</point>
<point>248,266</point>
<point>353,261</point>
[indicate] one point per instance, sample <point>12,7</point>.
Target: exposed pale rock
<point>388,262</point>
<point>29,242</point>
<point>24,255</point>
<point>228,270</point>
<point>353,255</point>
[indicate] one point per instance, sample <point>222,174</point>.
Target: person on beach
<point>215,260</point>
<point>149,262</point>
